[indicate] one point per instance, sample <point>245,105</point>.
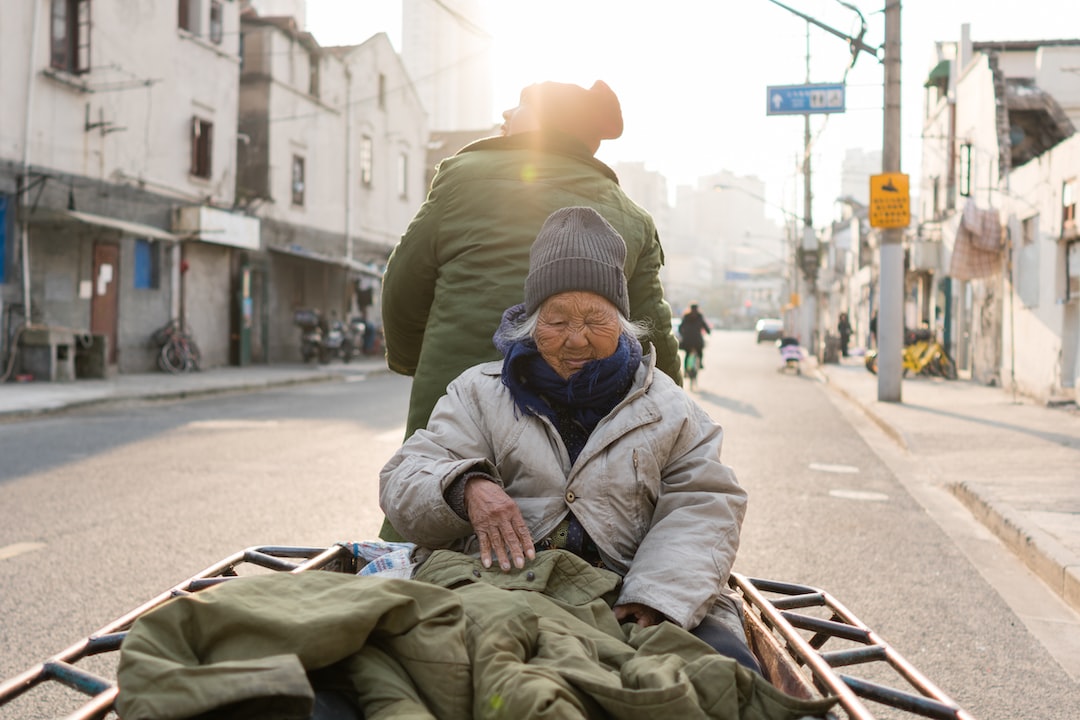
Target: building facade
<point>199,164</point>
<point>331,159</point>
<point>114,120</point>
<point>995,114</point>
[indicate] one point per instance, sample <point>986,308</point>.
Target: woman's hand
<point>642,615</point>
<point>498,523</point>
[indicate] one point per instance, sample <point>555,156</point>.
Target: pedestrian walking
<point>843,327</point>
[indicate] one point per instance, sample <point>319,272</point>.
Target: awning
<point>127,227</point>
<point>938,74</point>
<point>348,263</point>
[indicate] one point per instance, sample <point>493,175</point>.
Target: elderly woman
<point>575,442</point>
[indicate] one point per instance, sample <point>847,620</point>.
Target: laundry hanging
<point>979,248</point>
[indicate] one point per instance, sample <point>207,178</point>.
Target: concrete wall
<point>158,77</point>
<point>1041,334</point>
<point>379,214</point>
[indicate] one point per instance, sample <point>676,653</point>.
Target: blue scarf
<point>575,405</point>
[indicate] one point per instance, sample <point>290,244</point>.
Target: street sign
<point>804,99</point>
<point>890,201</point>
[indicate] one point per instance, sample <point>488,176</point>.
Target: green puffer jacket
<point>463,259</point>
<point>458,642</point>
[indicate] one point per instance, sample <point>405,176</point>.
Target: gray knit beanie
<point>577,249</point>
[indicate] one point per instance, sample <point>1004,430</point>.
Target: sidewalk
<point>1014,464</point>
<point>21,400</point>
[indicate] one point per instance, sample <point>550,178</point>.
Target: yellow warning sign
<point>890,201</point>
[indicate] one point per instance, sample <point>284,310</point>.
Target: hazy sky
<point>692,74</point>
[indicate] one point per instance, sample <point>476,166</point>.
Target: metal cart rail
<point>788,628</point>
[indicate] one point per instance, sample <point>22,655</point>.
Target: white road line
<point>10,551</point>
<point>231,424</point>
<point>859,495</point>
<point>849,469</point>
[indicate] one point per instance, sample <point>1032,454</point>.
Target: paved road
<point>123,501</point>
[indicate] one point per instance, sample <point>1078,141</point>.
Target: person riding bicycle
<point>692,331</point>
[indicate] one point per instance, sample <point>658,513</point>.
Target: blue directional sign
<point>805,99</point>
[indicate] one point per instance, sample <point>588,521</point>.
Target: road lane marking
<point>823,467</point>
<point>231,424</point>
<point>10,551</point>
<point>859,495</point>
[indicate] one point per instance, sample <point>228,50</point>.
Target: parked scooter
<point>311,336</point>
<point>337,342</point>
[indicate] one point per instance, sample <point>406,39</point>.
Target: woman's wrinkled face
<point>575,327</point>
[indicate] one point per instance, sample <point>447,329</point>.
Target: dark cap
<point>577,249</point>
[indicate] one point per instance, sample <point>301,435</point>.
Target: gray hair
<point>525,327</point>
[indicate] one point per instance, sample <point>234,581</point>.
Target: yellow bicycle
<point>923,357</point>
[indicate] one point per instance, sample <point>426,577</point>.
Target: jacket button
<point>530,575</point>
<point>475,572</point>
<point>570,497</point>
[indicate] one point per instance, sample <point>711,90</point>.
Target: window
<point>366,152</point>
<point>216,19</point>
<point>1072,270</point>
<point>403,175</point>
<point>202,144</point>
<point>188,16</point>
<point>1026,271</point>
<point>70,36</point>
<point>965,169</point>
<point>3,236</point>
<point>313,71</point>
<point>382,91</point>
<point>1028,228</point>
<point>147,264</point>
<point>298,180</point>
<point>1068,203</point>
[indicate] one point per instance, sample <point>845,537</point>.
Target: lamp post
<point>804,256</point>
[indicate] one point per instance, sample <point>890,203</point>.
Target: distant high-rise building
<point>855,174</point>
<point>447,50</point>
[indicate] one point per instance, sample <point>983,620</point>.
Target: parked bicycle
<point>179,353</point>
<point>924,356</point>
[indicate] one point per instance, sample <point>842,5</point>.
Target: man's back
<point>465,256</point>
<point>692,328</point>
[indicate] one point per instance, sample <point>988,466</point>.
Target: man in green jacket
<point>465,255</point>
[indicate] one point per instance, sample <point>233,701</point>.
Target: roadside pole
<point>891,305</point>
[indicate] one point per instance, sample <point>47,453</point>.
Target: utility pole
<point>891,282</point>
<point>808,224</point>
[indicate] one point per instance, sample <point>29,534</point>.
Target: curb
<point>178,394</point>
<point>1041,553</point>
<point>1054,564</point>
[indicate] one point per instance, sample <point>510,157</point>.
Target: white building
<point>997,115</point>
<point>1041,328</point>
<point>332,160</point>
<point>112,121</point>
<point>448,53</point>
